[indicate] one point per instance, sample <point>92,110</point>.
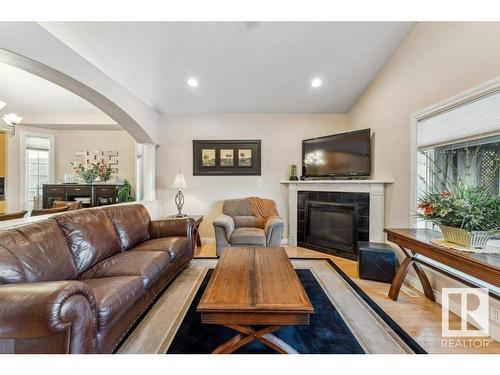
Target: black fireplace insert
<point>332,222</point>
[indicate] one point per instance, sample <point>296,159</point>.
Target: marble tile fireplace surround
<point>333,201</point>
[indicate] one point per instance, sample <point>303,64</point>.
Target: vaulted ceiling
<point>240,66</point>
<point>26,93</point>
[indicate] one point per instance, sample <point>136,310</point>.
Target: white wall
<point>66,143</point>
<point>281,136</point>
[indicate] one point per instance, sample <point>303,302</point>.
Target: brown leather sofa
<point>77,282</point>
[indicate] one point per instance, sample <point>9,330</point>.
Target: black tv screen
<point>339,155</point>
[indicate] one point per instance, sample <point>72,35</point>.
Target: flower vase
<point>471,240</point>
<point>88,179</point>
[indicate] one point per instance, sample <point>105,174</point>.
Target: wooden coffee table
<point>255,291</point>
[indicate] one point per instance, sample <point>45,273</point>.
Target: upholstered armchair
<point>238,226</point>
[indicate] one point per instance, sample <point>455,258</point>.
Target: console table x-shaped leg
<point>248,334</point>
<point>410,260</point>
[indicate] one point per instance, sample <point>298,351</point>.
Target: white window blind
<point>37,143</point>
<point>475,119</point>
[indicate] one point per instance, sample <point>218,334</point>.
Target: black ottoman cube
<point>377,261</point>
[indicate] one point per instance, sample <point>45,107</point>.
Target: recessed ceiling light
<point>192,82</point>
<point>316,82</point>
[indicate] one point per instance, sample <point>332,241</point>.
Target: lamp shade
<point>179,182</point>
<point>12,119</point>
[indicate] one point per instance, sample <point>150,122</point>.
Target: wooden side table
<point>197,221</point>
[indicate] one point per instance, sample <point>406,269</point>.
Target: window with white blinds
<point>476,119</point>
<point>463,140</point>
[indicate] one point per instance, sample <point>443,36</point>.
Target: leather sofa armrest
<point>226,222</point>
<point>274,231</point>
<point>171,227</point>
<point>174,227</point>
<point>38,310</point>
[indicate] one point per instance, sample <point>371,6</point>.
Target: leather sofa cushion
<point>175,246</point>
<point>149,265</point>
<point>90,235</point>
<point>131,222</point>
<point>114,296</point>
<point>11,269</point>
<point>248,236</point>
<point>34,253</point>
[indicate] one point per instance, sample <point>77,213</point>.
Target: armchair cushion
<point>248,236</point>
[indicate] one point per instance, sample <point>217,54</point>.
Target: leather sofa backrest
<point>34,253</point>
<point>131,222</point>
<point>90,235</point>
<point>241,211</point>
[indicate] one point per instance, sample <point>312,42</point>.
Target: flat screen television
<point>338,155</point>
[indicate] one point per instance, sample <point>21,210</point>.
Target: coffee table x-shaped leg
<point>248,334</point>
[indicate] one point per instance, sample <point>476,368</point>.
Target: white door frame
<point>23,134</point>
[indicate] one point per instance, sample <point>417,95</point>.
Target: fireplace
<point>332,222</point>
<point>331,225</point>
<point>368,194</point>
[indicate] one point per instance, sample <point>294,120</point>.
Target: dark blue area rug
<point>327,333</point>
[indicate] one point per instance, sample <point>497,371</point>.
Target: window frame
<point>485,89</point>
<point>476,93</point>
<point>24,170</point>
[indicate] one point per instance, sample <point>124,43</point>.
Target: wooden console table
<point>414,242</point>
<point>92,195</point>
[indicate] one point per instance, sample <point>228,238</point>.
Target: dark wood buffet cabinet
<point>91,195</point>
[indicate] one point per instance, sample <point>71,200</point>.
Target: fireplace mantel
<point>375,188</point>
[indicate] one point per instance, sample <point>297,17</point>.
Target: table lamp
<point>179,183</point>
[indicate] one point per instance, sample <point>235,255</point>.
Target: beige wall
<point>281,136</point>
<point>66,143</point>
<point>435,62</point>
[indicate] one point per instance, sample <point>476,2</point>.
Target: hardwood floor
<point>417,315</point>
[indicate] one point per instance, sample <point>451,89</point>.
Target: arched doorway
<point>145,147</point>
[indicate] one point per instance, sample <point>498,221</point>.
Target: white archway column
<point>149,171</point>
<point>146,178</point>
